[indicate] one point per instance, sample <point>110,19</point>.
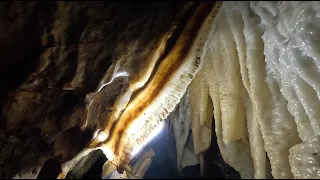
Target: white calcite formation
<point>260,79</point>
<point>181,121</point>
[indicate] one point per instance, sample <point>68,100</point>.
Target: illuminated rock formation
<point>241,73</point>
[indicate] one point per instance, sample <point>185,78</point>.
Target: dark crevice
<point>96,169</point>
<point>90,166</point>
<point>212,156</point>
<point>50,170</point>
<point>161,166</point>
<point>70,100</point>
<point>75,28</point>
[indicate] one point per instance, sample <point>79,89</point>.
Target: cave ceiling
<point>132,89</point>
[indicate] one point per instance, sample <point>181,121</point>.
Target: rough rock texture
<point>52,56</point>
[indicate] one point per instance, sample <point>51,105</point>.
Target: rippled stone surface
<point>52,55</point>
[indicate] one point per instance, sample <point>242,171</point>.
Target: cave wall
<point>53,54</point>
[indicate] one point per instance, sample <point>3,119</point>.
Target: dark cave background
<point>53,54</point>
